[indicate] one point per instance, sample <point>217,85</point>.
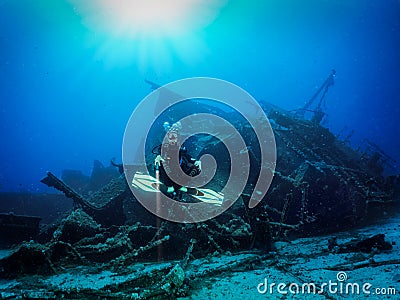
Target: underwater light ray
<point>130,18</point>
<point>160,29</point>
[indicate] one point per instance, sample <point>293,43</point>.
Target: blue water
<point>68,88</point>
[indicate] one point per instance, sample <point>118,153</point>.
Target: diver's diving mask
<point>173,133</point>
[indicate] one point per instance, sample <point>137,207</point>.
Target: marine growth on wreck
<point>320,185</point>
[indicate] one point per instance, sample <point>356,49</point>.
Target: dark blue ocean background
<point>68,88</point>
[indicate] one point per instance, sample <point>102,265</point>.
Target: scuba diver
<point>163,162</point>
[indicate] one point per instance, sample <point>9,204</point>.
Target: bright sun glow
<point>149,31</point>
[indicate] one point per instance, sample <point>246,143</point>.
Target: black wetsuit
<point>186,162</point>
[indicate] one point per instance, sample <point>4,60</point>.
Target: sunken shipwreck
<point>321,186</point>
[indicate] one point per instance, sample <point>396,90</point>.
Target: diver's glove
<point>197,163</point>
<point>158,161</point>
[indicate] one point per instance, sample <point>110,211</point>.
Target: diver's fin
<point>145,182</point>
<point>148,183</point>
<point>209,196</point>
